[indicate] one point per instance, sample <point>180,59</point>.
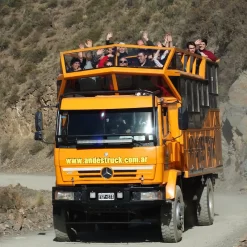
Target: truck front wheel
<point>63,232</point>
<point>205,206</point>
<point>172,219</point>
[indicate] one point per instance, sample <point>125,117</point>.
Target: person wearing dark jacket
<point>143,59</point>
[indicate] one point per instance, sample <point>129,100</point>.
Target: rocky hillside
<point>34,31</point>
<point>234,130</point>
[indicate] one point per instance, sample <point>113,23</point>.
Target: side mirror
<point>183,118</point>
<point>38,121</point>
<point>38,136</point>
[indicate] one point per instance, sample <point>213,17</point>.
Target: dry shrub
<point>35,55</point>
<point>7,151</point>
<point>15,51</point>
<point>39,200</point>
<point>33,39</point>
<point>4,89</point>
<point>12,96</point>
<point>10,199</point>
<point>27,68</point>
<point>74,18</point>
<point>24,31</point>
<point>50,33</point>
<point>66,3</point>
<point>36,147</point>
<point>13,21</point>
<point>52,4</point>
<point>19,77</point>
<point>39,20</point>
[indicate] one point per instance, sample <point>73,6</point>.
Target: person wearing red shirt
<point>202,43</point>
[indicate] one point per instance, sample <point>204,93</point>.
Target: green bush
<point>11,3</point>
<point>4,44</point>
<point>52,4</point>
<point>4,10</point>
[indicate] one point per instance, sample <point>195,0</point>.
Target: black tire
<point>172,219</point>
<point>205,207</point>
<point>63,232</point>
<point>190,218</point>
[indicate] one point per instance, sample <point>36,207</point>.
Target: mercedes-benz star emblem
<point>106,154</point>
<point>106,172</point>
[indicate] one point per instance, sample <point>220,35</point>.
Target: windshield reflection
<point>117,124</point>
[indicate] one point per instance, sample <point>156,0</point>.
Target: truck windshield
<point>118,124</point>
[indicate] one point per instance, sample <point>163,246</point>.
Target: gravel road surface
<point>36,182</point>
<point>229,226</point>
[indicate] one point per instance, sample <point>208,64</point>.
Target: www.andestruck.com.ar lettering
<point>116,160</point>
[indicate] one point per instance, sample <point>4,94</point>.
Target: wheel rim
<point>211,203</point>
<point>179,215</point>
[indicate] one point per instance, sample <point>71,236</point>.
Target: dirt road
<point>36,182</point>
<point>230,224</point>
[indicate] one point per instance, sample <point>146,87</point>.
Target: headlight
<point>147,196</point>
<point>64,195</point>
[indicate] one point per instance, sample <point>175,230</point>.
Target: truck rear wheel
<point>172,220</point>
<point>205,207</point>
<point>63,232</point>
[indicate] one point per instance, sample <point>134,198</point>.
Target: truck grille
<point>125,172</point>
<point>117,173</point>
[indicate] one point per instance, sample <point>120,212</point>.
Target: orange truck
<point>138,138</point>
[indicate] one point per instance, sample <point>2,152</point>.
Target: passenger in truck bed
<point>143,59</point>
<point>74,65</point>
<point>138,57</point>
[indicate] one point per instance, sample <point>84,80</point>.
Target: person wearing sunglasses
<point>123,62</point>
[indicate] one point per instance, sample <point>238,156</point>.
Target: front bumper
<point>129,200</point>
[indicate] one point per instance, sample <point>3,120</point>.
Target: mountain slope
<point>35,31</point>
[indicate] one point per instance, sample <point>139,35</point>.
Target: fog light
<point>147,196</point>
<point>120,195</point>
<point>92,195</point>
<point>64,195</point>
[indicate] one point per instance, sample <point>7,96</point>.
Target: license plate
<point>106,196</point>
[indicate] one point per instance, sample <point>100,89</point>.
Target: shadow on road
<point>132,235</point>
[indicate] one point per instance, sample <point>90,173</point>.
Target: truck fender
<point>170,182</point>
